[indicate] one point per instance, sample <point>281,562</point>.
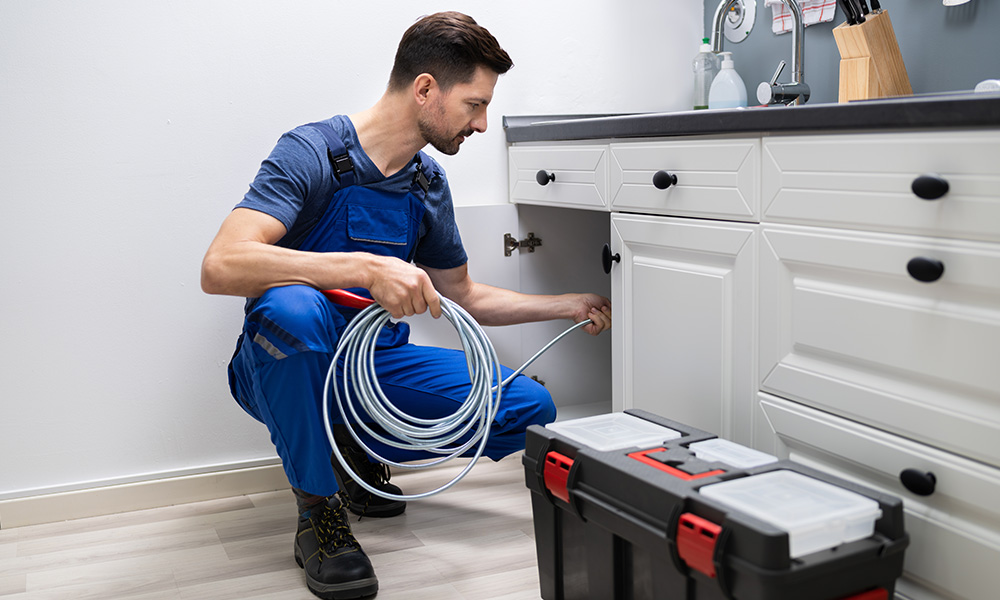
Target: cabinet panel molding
<point>954,532</point>
<point>864,181</point>
<point>714,178</point>
<point>580,175</point>
<point>844,328</point>
<point>685,292</point>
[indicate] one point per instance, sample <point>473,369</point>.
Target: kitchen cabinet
<point>682,343</point>
<point>832,298</point>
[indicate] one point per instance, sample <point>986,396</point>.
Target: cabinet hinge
<point>510,243</point>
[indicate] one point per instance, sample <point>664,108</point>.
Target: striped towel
<point>813,11</point>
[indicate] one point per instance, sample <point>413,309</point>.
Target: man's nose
<point>479,123</point>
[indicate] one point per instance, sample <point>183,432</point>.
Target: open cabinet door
<point>577,371</point>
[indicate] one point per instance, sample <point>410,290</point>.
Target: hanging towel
<point>813,11</point>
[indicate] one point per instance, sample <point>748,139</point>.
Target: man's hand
<point>597,309</point>
<point>402,289</point>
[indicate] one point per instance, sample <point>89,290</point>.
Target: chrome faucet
<point>718,22</point>
<point>796,92</point>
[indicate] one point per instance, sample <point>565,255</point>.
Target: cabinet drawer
<point>865,182</point>
<point>954,531</point>
<point>714,178</point>
<point>845,328</point>
<point>579,175</point>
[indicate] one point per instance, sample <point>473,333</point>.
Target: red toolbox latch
<point>556,474</point>
<point>696,539</point>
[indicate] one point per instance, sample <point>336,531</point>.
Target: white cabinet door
<point>845,328</point>
<point>711,178</point>
<point>573,176</point>
<point>683,338</point>
<point>954,530</point>
<point>871,181</point>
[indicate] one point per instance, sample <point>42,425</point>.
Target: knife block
<point>871,65</point>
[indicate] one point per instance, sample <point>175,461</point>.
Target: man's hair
<point>449,46</point>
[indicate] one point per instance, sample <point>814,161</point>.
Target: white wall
<point>128,130</point>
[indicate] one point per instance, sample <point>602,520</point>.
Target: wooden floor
<point>472,542</point>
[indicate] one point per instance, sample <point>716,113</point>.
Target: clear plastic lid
<point>614,431</point>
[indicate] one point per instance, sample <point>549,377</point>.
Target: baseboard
<point>49,508</point>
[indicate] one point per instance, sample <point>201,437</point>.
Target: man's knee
<point>535,402</point>
<point>300,316</point>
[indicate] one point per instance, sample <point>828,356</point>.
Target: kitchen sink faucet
<point>796,92</point>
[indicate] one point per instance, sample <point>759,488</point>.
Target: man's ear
<point>424,85</point>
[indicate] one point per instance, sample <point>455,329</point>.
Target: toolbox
<point>633,506</point>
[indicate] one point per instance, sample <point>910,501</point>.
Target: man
<point>388,231</point>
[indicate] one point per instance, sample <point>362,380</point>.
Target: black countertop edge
<point>906,113</point>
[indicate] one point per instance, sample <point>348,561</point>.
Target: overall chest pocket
<point>379,225</point>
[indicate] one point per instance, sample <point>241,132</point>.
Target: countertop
<point>966,110</point>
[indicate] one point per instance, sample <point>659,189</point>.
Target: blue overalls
<point>290,335</point>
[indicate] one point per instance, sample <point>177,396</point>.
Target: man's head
<point>449,65</point>
<point>449,46</point>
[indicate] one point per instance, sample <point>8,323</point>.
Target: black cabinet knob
<point>662,180</point>
<point>607,258</point>
<point>925,269</point>
<point>543,177</point>
<point>921,483</point>
<point>930,186</point>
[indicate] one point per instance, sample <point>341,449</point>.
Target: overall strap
<point>340,161</point>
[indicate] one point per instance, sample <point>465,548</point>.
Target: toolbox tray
<point>622,525</point>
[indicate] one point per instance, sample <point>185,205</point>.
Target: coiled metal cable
<point>400,430</point>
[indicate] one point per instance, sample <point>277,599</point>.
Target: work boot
<point>336,566</point>
<point>359,500</point>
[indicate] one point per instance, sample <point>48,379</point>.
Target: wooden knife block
<point>871,65</point>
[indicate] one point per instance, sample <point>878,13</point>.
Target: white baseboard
<point>62,506</point>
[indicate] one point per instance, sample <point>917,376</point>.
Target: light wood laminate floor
<point>472,542</point>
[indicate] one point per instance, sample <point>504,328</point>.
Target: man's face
<point>453,115</point>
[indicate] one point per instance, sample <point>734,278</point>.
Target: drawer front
<point>865,182</point>
<point>954,532</point>
<point>716,179</point>
<point>579,176</point>
<point>845,328</point>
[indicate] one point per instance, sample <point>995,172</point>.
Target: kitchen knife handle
<point>930,186</point>
<point>845,5</point>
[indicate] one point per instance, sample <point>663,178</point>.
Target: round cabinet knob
<point>543,177</point>
<point>930,186</point>
<point>924,269</point>
<point>662,180</point>
<point>921,483</point>
<point>607,258</point>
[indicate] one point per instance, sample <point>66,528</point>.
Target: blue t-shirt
<point>298,173</point>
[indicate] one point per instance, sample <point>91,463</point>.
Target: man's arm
<point>497,306</point>
<point>243,261</point>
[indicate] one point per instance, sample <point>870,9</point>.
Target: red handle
<point>348,299</point>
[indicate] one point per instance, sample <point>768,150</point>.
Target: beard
<point>437,136</point>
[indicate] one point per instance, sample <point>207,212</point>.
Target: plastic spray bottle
<point>706,67</point>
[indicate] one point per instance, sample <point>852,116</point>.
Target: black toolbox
<point>633,524</point>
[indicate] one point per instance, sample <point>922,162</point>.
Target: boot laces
<point>333,531</point>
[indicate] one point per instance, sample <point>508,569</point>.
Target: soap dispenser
<point>728,89</point>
